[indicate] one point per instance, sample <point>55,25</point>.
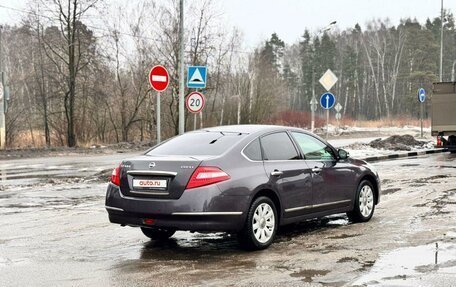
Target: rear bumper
<point>201,209</point>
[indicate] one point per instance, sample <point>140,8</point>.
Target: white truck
<point>444,115</point>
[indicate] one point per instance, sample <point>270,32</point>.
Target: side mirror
<point>343,154</point>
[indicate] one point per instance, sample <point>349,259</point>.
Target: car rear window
<point>198,143</point>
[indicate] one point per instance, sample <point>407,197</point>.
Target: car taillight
<point>205,175</point>
<point>115,176</point>
<point>439,141</point>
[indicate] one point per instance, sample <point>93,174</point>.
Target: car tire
<point>157,234</point>
<point>261,225</point>
<point>364,203</point>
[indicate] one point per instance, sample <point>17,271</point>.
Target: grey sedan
<point>246,180</point>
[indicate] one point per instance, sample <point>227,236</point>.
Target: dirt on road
<point>57,233</point>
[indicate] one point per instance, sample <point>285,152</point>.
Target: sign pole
<point>159,80</point>
<point>313,107</point>
<point>181,68</point>
<point>312,123</point>
<point>312,102</point>
<point>194,117</point>
<point>421,116</point>
<point>421,99</point>
<point>338,125</point>
<point>158,118</point>
<point>327,123</point>
<point>194,122</point>
<point>327,100</point>
<point>196,79</point>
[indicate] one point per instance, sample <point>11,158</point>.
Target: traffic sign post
<point>328,80</point>
<point>327,101</point>
<point>313,109</point>
<point>159,81</point>
<point>195,102</point>
<point>421,99</point>
<point>338,108</point>
<point>196,77</point>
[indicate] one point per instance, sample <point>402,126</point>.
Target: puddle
<point>342,236</point>
<point>347,259</point>
<point>184,245</point>
<point>390,190</point>
<point>410,263</point>
<point>438,204</point>
<point>431,178</point>
<point>446,166</point>
<point>307,275</point>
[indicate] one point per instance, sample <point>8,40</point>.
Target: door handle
<point>316,170</point>
<point>276,172</point>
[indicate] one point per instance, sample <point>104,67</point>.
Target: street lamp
<point>327,28</point>
<point>313,102</point>
<point>441,42</point>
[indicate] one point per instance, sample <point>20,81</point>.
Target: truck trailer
<point>443,109</point>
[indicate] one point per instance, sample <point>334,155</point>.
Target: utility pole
<point>2,98</point>
<point>313,102</point>
<point>441,42</point>
<point>181,68</point>
<point>452,71</point>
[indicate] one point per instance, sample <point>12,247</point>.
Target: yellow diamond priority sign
<point>328,80</point>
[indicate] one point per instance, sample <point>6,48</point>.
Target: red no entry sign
<point>159,78</point>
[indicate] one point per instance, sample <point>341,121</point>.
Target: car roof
<point>249,129</point>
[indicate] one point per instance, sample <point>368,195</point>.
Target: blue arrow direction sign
<point>196,77</point>
<point>421,95</point>
<point>327,101</point>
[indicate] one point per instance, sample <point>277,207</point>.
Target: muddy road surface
<point>54,231</point>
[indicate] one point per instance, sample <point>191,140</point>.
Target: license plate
<point>150,183</point>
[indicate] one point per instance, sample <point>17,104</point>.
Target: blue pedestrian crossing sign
<point>421,95</point>
<point>327,101</point>
<point>196,77</point>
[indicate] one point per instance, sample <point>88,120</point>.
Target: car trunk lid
<point>157,176</point>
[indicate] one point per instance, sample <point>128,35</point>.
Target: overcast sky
<point>260,18</point>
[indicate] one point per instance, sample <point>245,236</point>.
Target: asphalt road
<point>54,231</point>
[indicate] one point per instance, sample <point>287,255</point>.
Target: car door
<point>288,173</point>
<point>332,180</point>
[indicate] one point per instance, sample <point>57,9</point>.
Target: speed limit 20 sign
<point>195,102</point>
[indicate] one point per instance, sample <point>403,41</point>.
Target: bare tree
<point>73,50</point>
